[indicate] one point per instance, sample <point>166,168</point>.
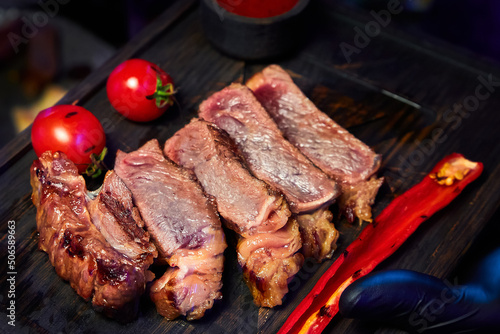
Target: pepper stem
<point>453,170</point>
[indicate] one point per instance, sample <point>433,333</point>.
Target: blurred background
<point>47,46</point>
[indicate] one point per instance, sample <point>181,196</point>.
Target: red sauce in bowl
<point>257,8</point>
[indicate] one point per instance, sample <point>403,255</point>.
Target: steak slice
<point>332,148</point>
<point>269,261</point>
<point>77,250</point>
<point>269,156</point>
<point>113,213</point>
<point>247,204</point>
<point>185,227</point>
<point>329,146</point>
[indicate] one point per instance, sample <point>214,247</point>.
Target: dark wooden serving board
<point>395,95</point>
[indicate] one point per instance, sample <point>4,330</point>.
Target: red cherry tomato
<point>70,129</point>
<point>140,90</point>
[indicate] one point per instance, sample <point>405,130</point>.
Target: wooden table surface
<point>412,100</point>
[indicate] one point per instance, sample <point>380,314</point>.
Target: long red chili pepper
<point>380,239</point>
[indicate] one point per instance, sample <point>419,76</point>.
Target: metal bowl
<point>248,38</point>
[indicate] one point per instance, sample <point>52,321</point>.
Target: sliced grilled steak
<point>247,204</point>
<point>185,227</point>
<point>332,148</point>
<point>119,221</point>
<point>270,157</point>
<point>269,261</point>
<point>329,146</point>
<point>77,250</point>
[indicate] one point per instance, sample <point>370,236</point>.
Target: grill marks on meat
<point>248,205</point>
<point>99,244</point>
<point>270,157</point>
<point>184,226</point>
<point>77,250</point>
<point>269,261</point>
<point>119,221</point>
<point>329,146</point>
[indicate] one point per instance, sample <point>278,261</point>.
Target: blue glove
<point>424,304</point>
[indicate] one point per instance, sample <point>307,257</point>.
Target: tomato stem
<point>97,166</point>
<point>164,93</point>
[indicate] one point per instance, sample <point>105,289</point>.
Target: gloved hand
<point>421,303</point>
